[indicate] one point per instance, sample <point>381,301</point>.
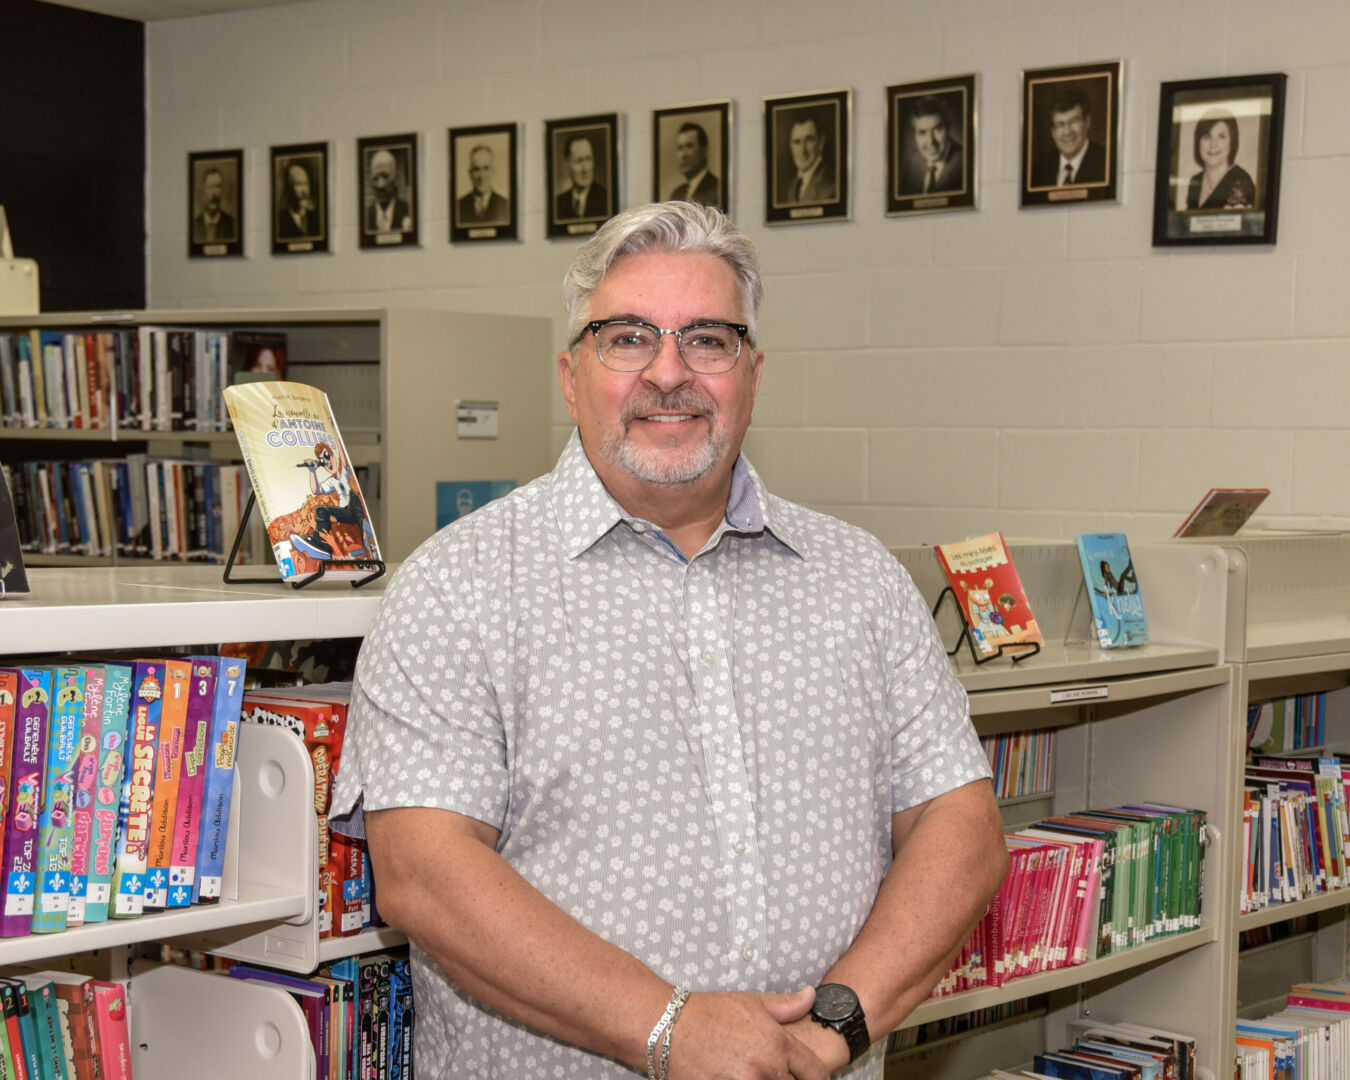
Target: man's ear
<point>567,381</point>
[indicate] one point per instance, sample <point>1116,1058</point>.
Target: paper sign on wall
<point>476,419</point>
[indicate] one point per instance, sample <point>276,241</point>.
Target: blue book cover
<point>1113,589</point>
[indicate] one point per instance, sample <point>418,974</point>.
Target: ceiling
<point>149,10</point>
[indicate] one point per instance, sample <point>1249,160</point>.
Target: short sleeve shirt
<point>698,759</point>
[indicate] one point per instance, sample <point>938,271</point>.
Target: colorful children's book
<point>187,815</point>
<point>138,788</point>
<point>114,1038</point>
<point>219,783</point>
<point>86,784</point>
<point>303,479</point>
<point>76,993</point>
<point>1113,589</point>
<point>28,760</point>
<point>25,1049</point>
<point>48,1029</point>
<point>168,774</point>
<point>111,753</point>
<point>987,587</point>
<point>1222,512</point>
<point>51,881</point>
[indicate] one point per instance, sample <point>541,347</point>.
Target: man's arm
<point>440,880</point>
<point>949,861</point>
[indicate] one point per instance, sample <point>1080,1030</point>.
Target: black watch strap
<point>837,1007</point>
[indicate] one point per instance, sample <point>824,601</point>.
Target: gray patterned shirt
<point>698,759</point>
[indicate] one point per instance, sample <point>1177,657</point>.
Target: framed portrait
<point>807,157</point>
<point>483,191</point>
<point>299,199</point>
<point>386,168</point>
<point>691,154</point>
<point>931,149</point>
<point>1071,134</point>
<point>215,203</point>
<point>582,158</point>
<point>1219,143</point>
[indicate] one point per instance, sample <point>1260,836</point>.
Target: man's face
<point>581,163</point>
<point>297,180</point>
<point>665,424</point>
<point>383,173</point>
<point>690,157</point>
<point>1070,130</point>
<point>480,170</point>
<point>212,190</point>
<point>806,144</point>
<point>930,136</point>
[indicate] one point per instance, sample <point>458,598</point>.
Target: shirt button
<point>739,847</point>
<point>749,953</point>
<point>638,527</point>
<point>721,749</point>
<point>707,656</point>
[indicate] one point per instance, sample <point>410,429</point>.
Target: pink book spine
<point>1087,912</point>
<point>114,1037</point>
<point>1308,1001</point>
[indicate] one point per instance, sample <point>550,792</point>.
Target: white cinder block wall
<point>1042,372</point>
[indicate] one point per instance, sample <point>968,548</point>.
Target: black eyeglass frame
<point>595,326</point>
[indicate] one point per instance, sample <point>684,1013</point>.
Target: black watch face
<point>834,1002</point>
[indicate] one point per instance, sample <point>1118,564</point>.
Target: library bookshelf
<point>394,378</point>
<point>1153,723</point>
<point>186,1022</point>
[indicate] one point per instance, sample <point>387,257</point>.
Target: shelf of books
<point>99,728</point>
<point>1116,768</point>
<point>117,444</point>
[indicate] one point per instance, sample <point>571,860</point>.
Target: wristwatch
<point>837,1007</point>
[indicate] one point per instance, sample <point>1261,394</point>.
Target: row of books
<point>1022,761</point>
<point>359,1010</point>
<point>921,1035</point>
<point>1106,1051</point>
<point>118,780</point>
<point>1309,1039</point>
<point>1086,885</point>
<point>1295,830</point>
<point>1289,723</point>
<point>58,1025</point>
<point>317,713</point>
<point>151,378</point>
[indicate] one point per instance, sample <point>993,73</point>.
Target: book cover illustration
<point>303,478</point>
<point>1113,589</point>
<point>989,590</point>
<point>257,356</point>
<point>1222,512</point>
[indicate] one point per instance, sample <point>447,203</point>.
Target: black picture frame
<point>1060,105</point>
<point>305,232</point>
<point>565,145</point>
<point>932,150</point>
<point>392,159</point>
<point>487,152</point>
<point>826,115</point>
<point>696,138</point>
<point>215,177</point>
<point>1245,115</point>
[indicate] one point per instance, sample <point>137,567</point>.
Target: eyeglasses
<point>709,348</point>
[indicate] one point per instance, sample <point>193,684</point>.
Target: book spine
<point>107,790</point>
<point>25,795</point>
<point>218,787</point>
<point>114,1040</point>
<point>51,885</point>
<point>78,998</point>
<point>133,837</point>
<point>187,815</point>
<point>168,776</point>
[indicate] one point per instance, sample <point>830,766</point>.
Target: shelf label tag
<point>1079,693</point>
<point>476,419</point>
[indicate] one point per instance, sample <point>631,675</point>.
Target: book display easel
<point>186,1022</point>
<point>1152,723</point>
<point>395,378</point>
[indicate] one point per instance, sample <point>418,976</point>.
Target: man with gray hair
<point>660,772</point>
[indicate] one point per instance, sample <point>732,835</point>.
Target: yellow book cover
<point>304,481</point>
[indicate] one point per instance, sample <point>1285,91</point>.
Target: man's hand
<point>735,1036</point>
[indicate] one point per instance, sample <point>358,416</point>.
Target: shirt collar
<point>1076,161</point>
<point>586,511</point>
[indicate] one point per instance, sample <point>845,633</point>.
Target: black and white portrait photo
<point>1070,134</point>
<point>1218,172</point>
<point>387,180</point>
<point>932,148</point>
<point>807,157</point>
<point>690,154</point>
<point>299,199</point>
<point>582,160</point>
<point>216,203</point>
<point>483,183</point>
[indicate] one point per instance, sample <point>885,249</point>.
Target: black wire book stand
<point>1024,649</point>
<point>375,566</point>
